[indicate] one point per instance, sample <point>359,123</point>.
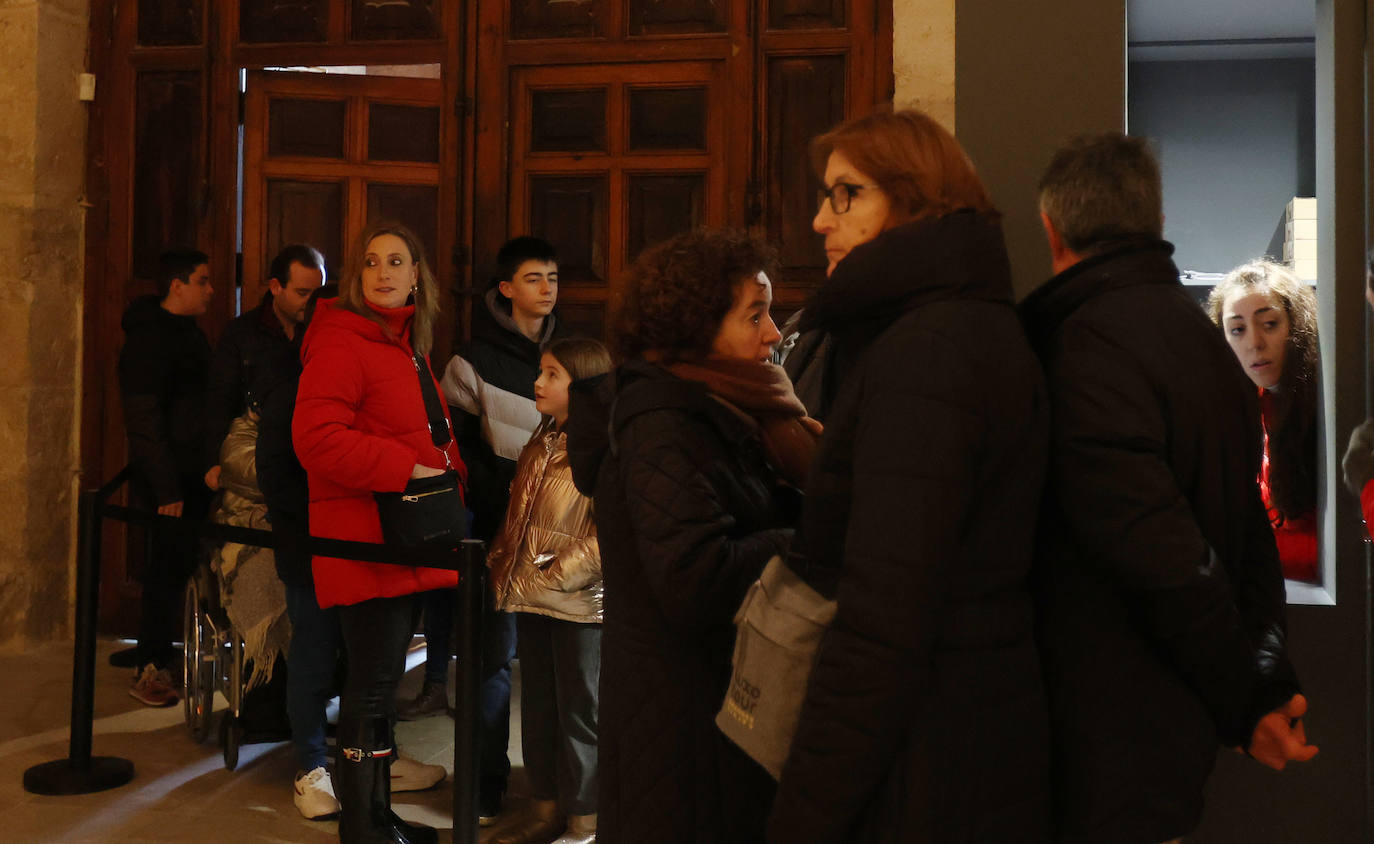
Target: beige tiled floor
<point>181,791</point>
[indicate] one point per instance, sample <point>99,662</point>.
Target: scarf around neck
<point>761,391</point>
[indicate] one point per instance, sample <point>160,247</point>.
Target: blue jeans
<point>498,649</point>
<point>315,643</point>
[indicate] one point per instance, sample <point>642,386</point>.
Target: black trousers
<point>168,564</point>
<point>376,633</point>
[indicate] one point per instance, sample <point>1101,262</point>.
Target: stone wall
<point>923,39</point>
<point>42,164</point>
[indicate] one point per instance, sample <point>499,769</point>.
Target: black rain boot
<point>363,786</point>
<point>355,779</point>
<point>402,832</point>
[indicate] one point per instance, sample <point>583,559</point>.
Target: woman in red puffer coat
<point>360,427</point>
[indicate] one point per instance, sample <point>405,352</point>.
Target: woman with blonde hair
<point>361,427</point>
<point>925,718</point>
<point>1269,318</point>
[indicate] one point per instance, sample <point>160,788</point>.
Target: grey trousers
<point>560,666</point>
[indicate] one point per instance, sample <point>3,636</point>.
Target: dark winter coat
<point>687,513</point>
<point>924,720</point>
<point>280,475</point>
<point>806,358</point>
<point>251,344</point>
<point>162,374</point>
<point>360,427</point>
<point>1162,603</point>
<point>489,385</point>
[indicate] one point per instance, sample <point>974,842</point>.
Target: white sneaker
<point>315,795</point>
<point>409,775</point>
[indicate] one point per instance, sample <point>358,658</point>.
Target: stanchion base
<point>59,777</point>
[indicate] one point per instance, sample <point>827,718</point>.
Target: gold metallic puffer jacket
<point>546,559</point>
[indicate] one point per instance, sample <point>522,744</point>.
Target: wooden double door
<point>611,129</point>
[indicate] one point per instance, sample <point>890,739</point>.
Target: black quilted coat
<point>925,720</point>
<point>687,513</point>
<point>1162,608</point>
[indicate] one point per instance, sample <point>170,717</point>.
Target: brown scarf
<point>762,391</point>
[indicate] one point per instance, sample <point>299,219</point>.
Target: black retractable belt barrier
<point>82,773</point>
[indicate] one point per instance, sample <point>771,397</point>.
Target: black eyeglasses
<point>840,195</point>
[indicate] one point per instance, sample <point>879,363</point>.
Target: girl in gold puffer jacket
<point>546,566</point>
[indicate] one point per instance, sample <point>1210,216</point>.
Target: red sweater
<point>1367,507</point>
<point>1295,537</point>
<point>360,426</point>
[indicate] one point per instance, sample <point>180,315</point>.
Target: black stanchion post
<point>81,773</point>
<point>472,592</point>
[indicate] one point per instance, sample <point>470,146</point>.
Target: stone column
<point>42,168</point>
<point>923,37</point>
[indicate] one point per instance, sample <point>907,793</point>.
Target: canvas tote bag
<point>778,630</point>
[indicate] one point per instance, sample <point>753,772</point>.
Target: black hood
<point>492,323</point>
<point>1145,261</point>
<point>957,256</point>
<point>147,311</point>
<point>588,428</point>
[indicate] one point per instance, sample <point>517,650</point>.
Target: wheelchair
<point>213,662</point>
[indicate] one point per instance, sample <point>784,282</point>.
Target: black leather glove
<point>1358,463</point>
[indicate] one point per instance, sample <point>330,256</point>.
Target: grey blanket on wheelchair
<point>253,596</point>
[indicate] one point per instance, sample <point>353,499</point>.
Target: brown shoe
<point>432,700</point>
<point>539,822</point>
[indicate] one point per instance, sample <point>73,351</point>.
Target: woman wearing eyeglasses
<point>924,719</point>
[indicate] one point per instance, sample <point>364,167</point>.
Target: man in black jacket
<point>1161,602</point>
<point>162,372</point>
<point>254,342</point>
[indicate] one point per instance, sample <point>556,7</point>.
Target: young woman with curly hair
<point>1270,319</point>
<point>693,449</point>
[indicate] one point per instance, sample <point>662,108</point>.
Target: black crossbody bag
<point>429,512</point>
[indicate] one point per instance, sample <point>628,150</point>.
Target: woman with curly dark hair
<point>693,449</point>
<point>1270,319</point>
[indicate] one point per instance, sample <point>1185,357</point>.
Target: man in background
<point>162,376</point>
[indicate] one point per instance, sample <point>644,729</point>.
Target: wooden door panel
<point>402,133</point>
<point>169,138</point>
<point>572,213</point>
<point>660,206</point>
<point>326,155</point>
<point>677,17</point>
<point>307,128</point>
<point>283,21</point>
<point>568,120</point>
<point>667,118</point>
<point>806,14</point>
<point>301,212</point>
<point>417,206</point>
<point>583,319</point>
<point>169,23</point>
<point>806,96</point>
<point>395,20</point>
<point>561,19</point>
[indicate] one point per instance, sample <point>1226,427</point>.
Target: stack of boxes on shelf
<point>1300,237</point>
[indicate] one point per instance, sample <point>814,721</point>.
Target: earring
<point>413,288</point>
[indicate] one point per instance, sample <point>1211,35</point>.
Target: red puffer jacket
<point>360,426</point>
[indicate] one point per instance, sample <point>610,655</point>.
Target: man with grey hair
<point>1161,599</point>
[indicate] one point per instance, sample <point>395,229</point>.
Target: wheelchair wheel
<point>198,668</point>
<point>230,737</point>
